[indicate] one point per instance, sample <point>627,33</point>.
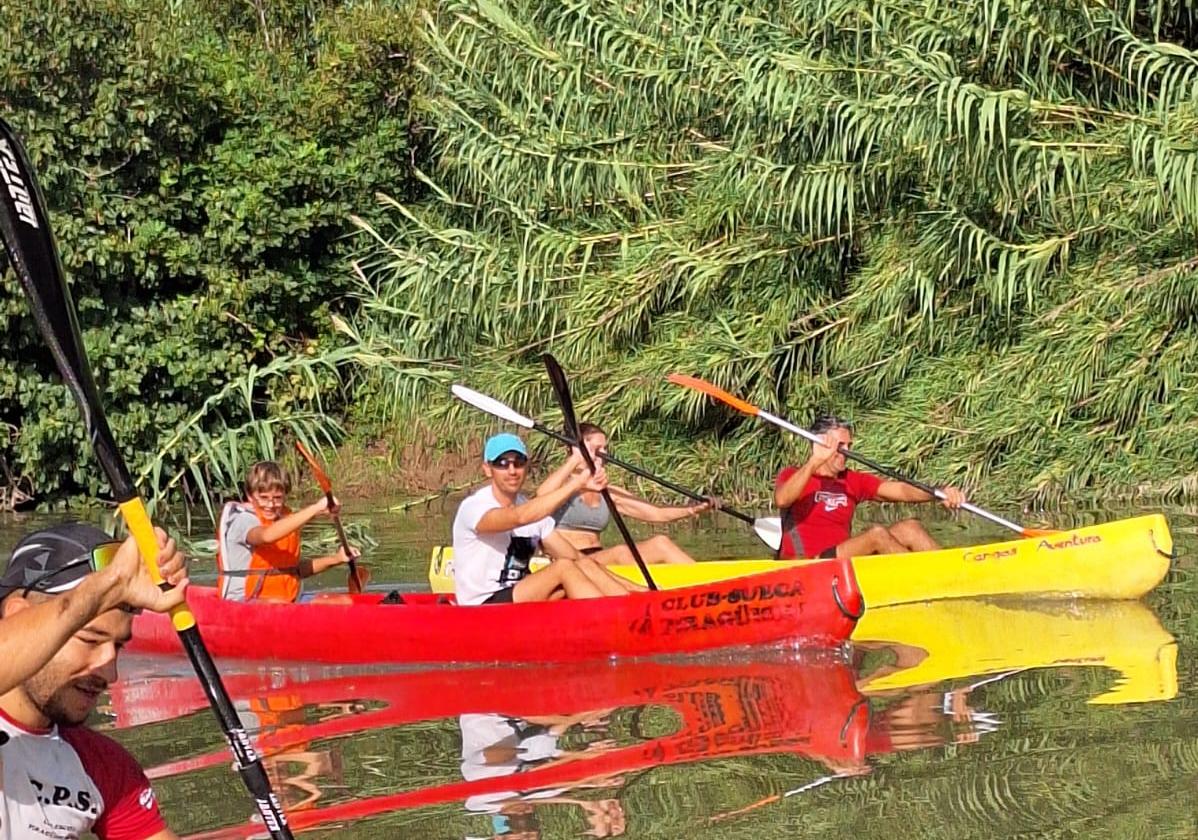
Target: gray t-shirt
<point>237,519</point>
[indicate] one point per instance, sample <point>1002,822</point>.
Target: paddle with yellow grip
<point>717,393</point>
<point>29,241</point>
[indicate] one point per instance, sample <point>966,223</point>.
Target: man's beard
<point>52,697</point>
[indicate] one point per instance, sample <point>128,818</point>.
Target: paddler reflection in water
<point>817,500</point>
<point>497,745</point>
<point>296,771</point>
<point>919,716</point>
<point>497,529</point>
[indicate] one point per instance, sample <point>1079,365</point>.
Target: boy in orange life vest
<point>258,544</point>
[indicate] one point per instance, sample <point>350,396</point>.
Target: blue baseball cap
<point>504,442</point>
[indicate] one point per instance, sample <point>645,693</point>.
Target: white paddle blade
<point>769,530</point>
<point>491,406</point>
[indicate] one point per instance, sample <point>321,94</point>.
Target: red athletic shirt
<point>62,783</point>
<point>823,513</point>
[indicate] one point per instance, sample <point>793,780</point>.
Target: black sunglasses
<point>517,461</point>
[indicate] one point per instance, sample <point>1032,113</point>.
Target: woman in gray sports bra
<point>584,517</point>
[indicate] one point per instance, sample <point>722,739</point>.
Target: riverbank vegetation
<point>201,162</point>
<point>969,227</point>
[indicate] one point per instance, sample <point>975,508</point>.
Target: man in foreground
<point>817,501</point>
<point>58,778</point>
<point>497,530</point>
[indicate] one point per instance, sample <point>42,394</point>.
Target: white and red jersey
<point>60,784</point>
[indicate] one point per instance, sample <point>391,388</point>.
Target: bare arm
<point>538,507</point>
<point>30,636</point>
<point>31,633</point>
<point>307,568</point>
<point>558,478</point>
<point>789,492</point>
<point>792,488</point>
<point>275,531</point>
<point>629,505</point>
<point>900,491</point>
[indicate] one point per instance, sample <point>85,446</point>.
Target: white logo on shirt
<point>146,799</point>
<point>831,501</point>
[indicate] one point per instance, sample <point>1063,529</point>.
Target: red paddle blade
<point>321,478</point>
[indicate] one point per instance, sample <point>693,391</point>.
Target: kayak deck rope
<point>840,602</point>
<point>1169,555</point>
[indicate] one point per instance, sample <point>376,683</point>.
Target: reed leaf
<point>969,226</point>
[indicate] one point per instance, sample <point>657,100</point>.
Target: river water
<point>988,720</point>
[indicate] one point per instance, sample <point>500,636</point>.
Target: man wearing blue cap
<point>497,530</point>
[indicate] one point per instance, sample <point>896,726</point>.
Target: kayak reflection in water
<point>923,718</point>
<point>817,501</point>
<point>497,530</point>
<point>496,745</point>
<point>584,516</point>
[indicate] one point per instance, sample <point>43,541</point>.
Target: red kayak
<point>783,705</point>
<point>812,605</point>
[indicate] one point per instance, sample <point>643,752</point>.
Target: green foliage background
<point>201,161</point>
<point>969,226</point>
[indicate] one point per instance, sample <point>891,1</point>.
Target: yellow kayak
<point>1114,560</point>
<point>950,640</point>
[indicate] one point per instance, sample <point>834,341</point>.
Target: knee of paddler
<point>907,526</point>
<point>562,566</point>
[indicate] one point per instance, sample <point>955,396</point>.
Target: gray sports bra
<point>577,515</point>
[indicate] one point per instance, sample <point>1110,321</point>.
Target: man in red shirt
<point>817,501</point>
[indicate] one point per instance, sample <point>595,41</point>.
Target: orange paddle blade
<point>705,387</point>
<point>359,576</point>
<point>321,478</point>
<point>1032,533</point>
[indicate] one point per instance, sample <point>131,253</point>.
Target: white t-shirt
<point>531,745</point>
<point>485,563</point>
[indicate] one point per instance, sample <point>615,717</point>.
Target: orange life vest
<point>273,574</point>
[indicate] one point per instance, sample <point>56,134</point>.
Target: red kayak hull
<point>811,605</point>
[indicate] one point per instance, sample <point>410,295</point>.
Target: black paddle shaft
<point>643,473</point>
<point>29,240</point>
<point>561,387</point>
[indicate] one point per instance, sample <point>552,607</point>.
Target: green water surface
<point>1009,745</point>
